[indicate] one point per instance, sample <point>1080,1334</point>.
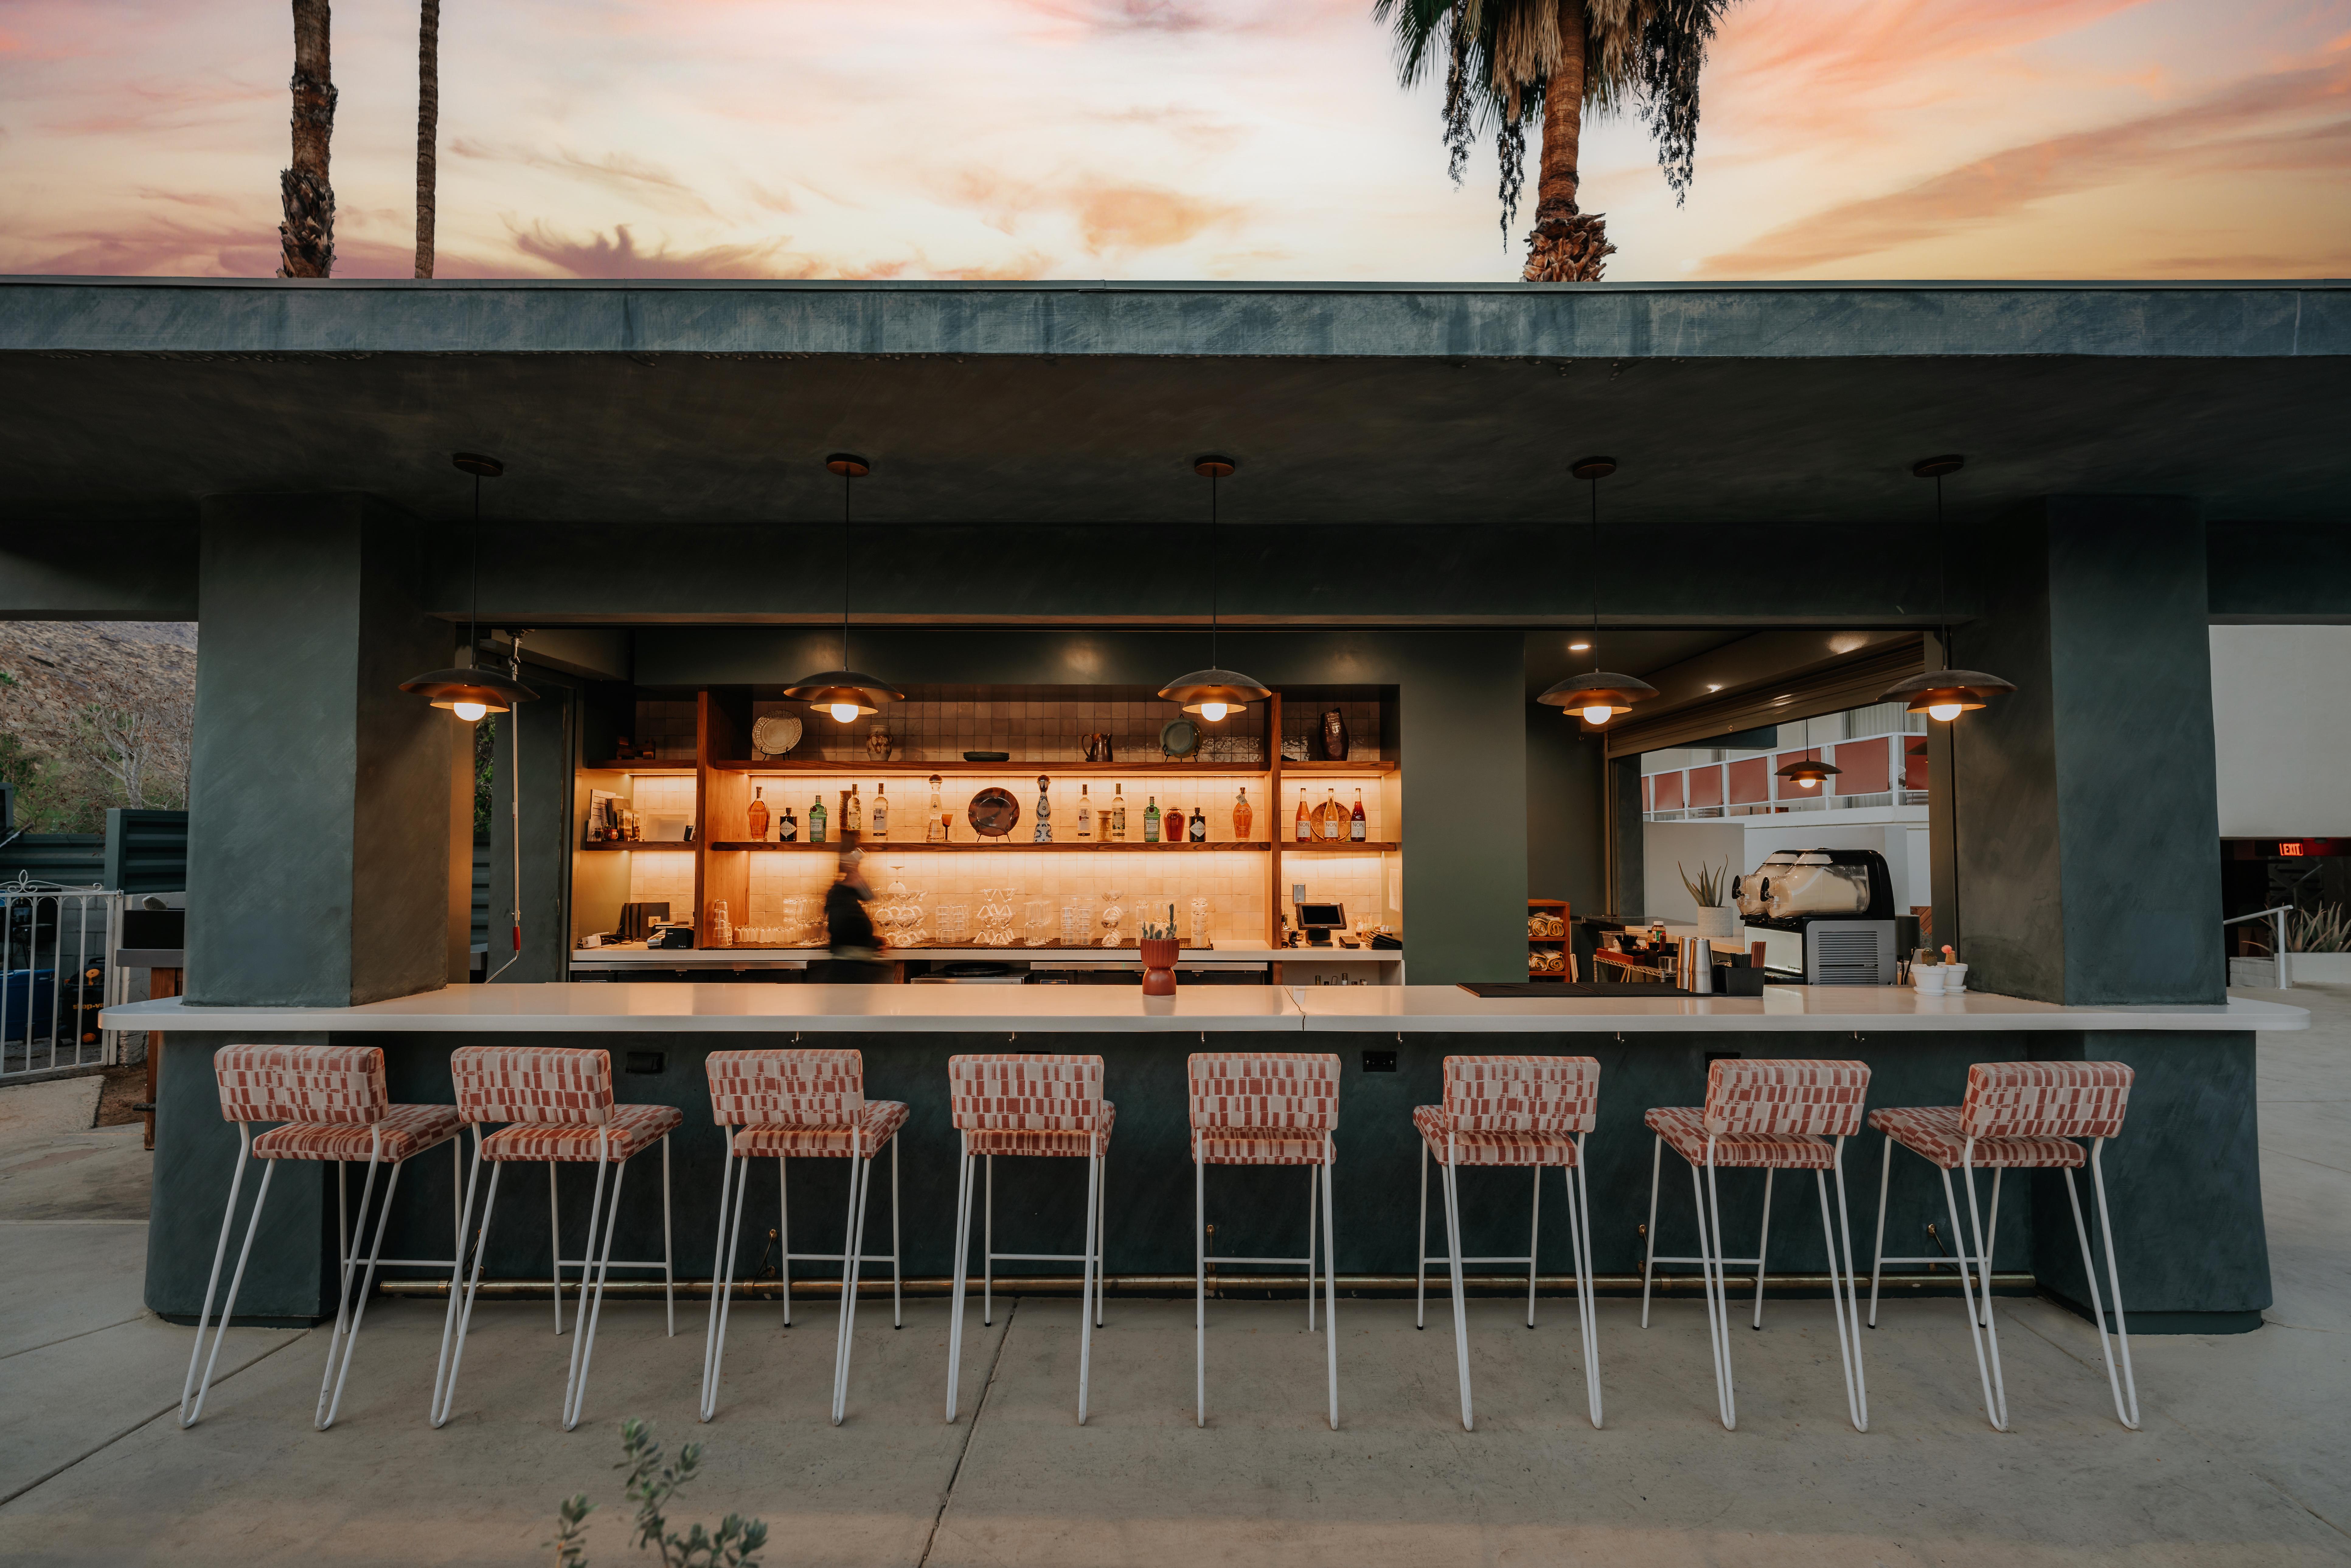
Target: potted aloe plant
<point>1716,917</point>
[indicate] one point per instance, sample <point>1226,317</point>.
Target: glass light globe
<point>844,712</point>
<point>1598,713</point>
<point>469,712</point>
<point>1944,711</point>
<point>1212,712</point>
<point>1808,783</point>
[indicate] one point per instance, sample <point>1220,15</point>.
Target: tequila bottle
<point>1043,831</point>
<point>1243,817</point>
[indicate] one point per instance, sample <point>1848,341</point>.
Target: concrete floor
<point>2245,1458</point>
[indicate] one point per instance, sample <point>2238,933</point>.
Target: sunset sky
<point>1166,138</point>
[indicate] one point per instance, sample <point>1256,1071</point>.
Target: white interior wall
<point>2282,730</point>
<point>1691,844</point>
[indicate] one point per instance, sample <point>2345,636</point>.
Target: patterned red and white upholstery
<point>1024,1104</point>
<point>324,1085</point>
<point>630,1129</point>
<point>787,1088</point>
<point>1767,1096</point>
<point>536,1085</point>
<point>1934,1133</point>
<point>1521,1093</point>
<point>2045,1099</point>
<point>408,1130</point>
<point>1483,1148</point>
<point>1682,1127</point>
<point>878,1122</point>
<point>1263,1108</point>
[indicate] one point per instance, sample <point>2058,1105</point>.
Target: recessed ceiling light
<point>1714,688</point>
<point>1579,647</point>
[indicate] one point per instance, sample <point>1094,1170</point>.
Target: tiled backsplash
<point>667,725</point>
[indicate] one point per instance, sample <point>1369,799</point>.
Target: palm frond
<point>1673,43</point>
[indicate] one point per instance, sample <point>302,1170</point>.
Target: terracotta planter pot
<point>1159,966</point>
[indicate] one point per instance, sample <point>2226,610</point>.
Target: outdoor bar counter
<point>2183,1173</point>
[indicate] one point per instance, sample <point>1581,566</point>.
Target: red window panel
<point>1669,791</point>
<point>1865,765</point>
<point>1789,788</point>
<point>1914,762</point>
<point>1751,780</point>
<point>1705,786</point>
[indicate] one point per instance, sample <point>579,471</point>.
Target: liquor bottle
<point>1332,817</point>
<point>1199,826</point>
<point>787,827</point>
<point>1243,817</point>
<point>1150,819</point>
<point>815,820</point>
<point>1042,832</point>
<point>1356,824</point>
<point>1118,812</point>
<point>853,815</point>
<point>756,814</point>
<point>1300,827</point>
<point>1085,815</point>
<point>881,812</point>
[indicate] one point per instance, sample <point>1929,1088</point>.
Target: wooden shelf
<point>1341,847</point>
<point>863,766</point>
<point>673,845</point>
<point>876,847</point>
<point>641,765</point>
<point>1338,767</point>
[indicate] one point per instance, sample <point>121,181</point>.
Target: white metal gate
<point>57,970</point>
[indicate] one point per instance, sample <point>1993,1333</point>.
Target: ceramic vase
<point>1159,966</point>
<point>1720,921</point>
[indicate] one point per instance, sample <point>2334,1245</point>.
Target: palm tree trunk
<point>1567,245</point>
<point>307,237</point>
<point>428,128</point>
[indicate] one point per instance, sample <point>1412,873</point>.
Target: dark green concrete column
<point>2084,855</point>
<point>319,791</point>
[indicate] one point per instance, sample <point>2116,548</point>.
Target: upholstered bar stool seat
<point>330,1104</point>
<point>789,1105</point>
<point>1683,1128</point>
<point>2016,1115</point>
<point>1527,1113</point>
<point>630,1132</point>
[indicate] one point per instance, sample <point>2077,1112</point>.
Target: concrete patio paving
<point>2245,1458</point>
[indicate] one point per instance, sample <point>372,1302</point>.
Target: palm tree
<point>1509,59</point>
<point>306,238</point>
<point>428,127</point>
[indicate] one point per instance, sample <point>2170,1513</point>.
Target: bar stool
<point>809,1103</point>
<point>2017,1115</point>
<point>1768,1115</point>
<point>1029,1105</point>
<point>1513,1111</point>
<point>330,1103</point>
<point>1265,1108</point>
<point>558,1106</point>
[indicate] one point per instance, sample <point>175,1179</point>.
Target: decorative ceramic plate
<point>772,737</point>
<point>994,812</point>
<point>987,757</point>
<point>1179,738</point>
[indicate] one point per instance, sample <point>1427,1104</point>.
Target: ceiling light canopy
<point>845,693</point>
<point>1214,692</point>
<point>465,689</point>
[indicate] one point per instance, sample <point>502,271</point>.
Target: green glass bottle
<point>815,820</point>
<point>1150,819</point>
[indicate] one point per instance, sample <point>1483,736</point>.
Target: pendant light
<point>1598,695</point>
<point>1947,693</point>
<point>468,690</point>
<point>1214,692</point>
<point>1810,773</point>
<point>844,692</point>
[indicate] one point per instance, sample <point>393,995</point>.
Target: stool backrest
<point>2045,1099</point>
<point>1521,1093</point>
<point>536,1085</point>
<point>1025,1093</point>
<point>787,1088</point>
<point>1824,1098</point>
<point>1294,1090</point>
<point>315,1084</point>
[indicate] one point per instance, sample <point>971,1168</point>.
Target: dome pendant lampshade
<point>845,694</point>
<point>1214,692</point>
<point>1944,693</point>
<point>1810,773</point>
<point>467,689</point>
<point>1598,695</point>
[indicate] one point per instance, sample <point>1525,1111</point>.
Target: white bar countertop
<point>626,1007</point>
<point>637,957</point>
<point>1878,1010</point>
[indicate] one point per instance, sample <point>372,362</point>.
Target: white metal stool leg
<point>860,1182</point>
<point>344,1260</point>
<point>1101,1231</point>
<point>1851,1293</point>
<point>734,1174</point>
<point>962,1272</point>
<point>2127,1414</point>
<point>1086,1285</point>
<point>586,1320</point>
<point>669,1274</point>
<point>784,1236</point>
<point>1649,1236</point>
<point>461,1314</point>
<point>1980,1295</point>
<point>1420,1248</point>
<point>1877,1258</point>
<point>1717,1310</point>
<point>1847,1347</point>
<point>987,1245</point>
<point>1534,1231</point>
<point>897,1294</point>
<point>1579,1237</point>
<point>1460,1313</point>
<point>325,1417</point>
<point>192,1392</point>
<point>1329,1279</point>
<point>555,1246</point>
<point>1200,1285</point>
<point>1762,1244</point>
<point>1967,1301</point>
<point>1313,1224</point>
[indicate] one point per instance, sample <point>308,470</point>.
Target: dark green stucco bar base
<point>2183,1178</point>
